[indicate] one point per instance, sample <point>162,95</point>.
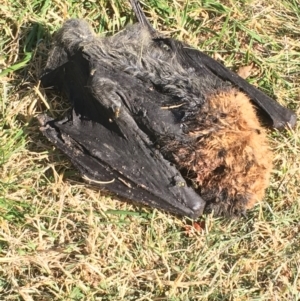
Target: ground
<point>63,240</point>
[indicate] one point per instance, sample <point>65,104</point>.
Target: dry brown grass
<point>62,240</point>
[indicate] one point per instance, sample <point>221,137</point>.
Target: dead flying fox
<point>155,121</point>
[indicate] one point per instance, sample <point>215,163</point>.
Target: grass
<point>61,240</point>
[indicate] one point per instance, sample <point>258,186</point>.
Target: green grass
<point>61,240</point>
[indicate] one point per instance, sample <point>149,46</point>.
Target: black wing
<point>104,141</point>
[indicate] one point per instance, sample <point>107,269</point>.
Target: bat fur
<point>202,124</point>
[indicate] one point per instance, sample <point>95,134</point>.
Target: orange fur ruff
<point>230,159</point>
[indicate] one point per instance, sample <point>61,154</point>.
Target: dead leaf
<point>245,71</point>
<point>191,230</point>
<point>218,57</point>
<point>199,226</point>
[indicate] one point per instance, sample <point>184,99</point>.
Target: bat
<point>160,123</point>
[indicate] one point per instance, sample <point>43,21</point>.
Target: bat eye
<point>223,115</point>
